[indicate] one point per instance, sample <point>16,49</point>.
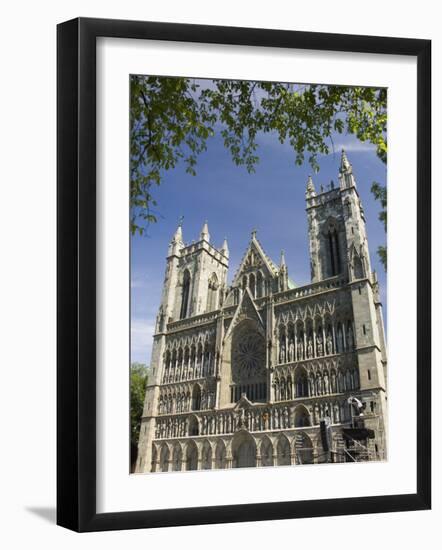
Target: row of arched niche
<point>312,338</point>
<point>258,419</point>
<point>300,382</point>
<point>189,362</point>
<point>286,386</point>
<point>178,400</point>
<point>242,451</point>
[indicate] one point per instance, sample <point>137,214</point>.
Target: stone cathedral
<point>262,372</point>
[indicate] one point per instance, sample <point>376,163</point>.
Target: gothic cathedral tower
<point>194,284</point>
<point>249,374</point>
<point>339,249</point>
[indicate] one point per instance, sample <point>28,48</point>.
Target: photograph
<point>258,274</point>
<point>219,251</point>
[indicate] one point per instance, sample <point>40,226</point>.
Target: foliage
<point>380,194</point>
<point>138,383</point>
<point>172,120</point>
<point>382,253</point>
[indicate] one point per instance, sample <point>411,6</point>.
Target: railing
<point>309,290</point>
<point>257,419</point>
<point>318,360</point>
<point>280,297</point>
<point>196,320</point>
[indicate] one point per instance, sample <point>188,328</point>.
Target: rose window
<point>249,355</point>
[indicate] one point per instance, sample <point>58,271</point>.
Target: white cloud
<point>138,282</point>
<point>141,333</point>
<point>348,142</point>
<point>355,146</point>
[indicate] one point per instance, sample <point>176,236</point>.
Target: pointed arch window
<point>259,285</point>
<point>185,295</point>
<point>220,455</point>
<point>302,417</point>
<point>244,282</point>
<point>283,452</point>
<point>196,398</point>
<point>334,253</point>
<point>212,293</point>
<point>358,268</point>
<point>266,452</point>
<point>252,285</point>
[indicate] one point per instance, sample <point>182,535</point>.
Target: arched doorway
<point>191,456</point>
<point>283,451</point>
<point>164,458</point>
<point>303,449</point>
<point>177,458</point>
<point>266,452</point>
<point>302,417</point>
<point>193,426</point>
<point>220,455</point>
<point>196,398</point>
<point>244,451</point>
<point>206,457</point>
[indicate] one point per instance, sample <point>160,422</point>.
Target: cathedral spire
<point>283,274</point>
<point>178,235</point>
<point>345,164</point>
<point>177,243</point>
<point>310,189</point>
<point>346,177</point>
<point>225,248</point>
<point>205,235</point>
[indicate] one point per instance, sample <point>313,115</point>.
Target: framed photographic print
<point>232,343</point>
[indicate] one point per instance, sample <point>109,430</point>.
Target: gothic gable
<point>255,259</point>
<point>246,310</point>
<point>243,403</point>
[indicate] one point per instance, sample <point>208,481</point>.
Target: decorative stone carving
<point>319,346</point>
<point>249,355</point>
<point>291,352</point>
<point>329,345</point>
<point>201,364</point>
<point>310,348</point>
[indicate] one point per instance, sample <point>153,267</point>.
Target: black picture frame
<point>76,274</point>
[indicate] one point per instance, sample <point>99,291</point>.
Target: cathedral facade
<point>262,372</point>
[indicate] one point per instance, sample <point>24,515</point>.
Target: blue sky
<point>272,200</point>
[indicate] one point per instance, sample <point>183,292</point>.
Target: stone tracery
<point>243,375</point>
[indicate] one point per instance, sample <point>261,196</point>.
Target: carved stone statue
<point>291,350</point>
<point>310,348</point>
<point>247,420</point>
<point>350,339</point>
<point>265,420</point>
<point>319,346</point>
<point>240,419</point>
<point>285,418</point>
<point>329,345</point>
<point>316,414</point>
<point>282,352</point>
<point>300,350</point>
<point>326,383</point>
